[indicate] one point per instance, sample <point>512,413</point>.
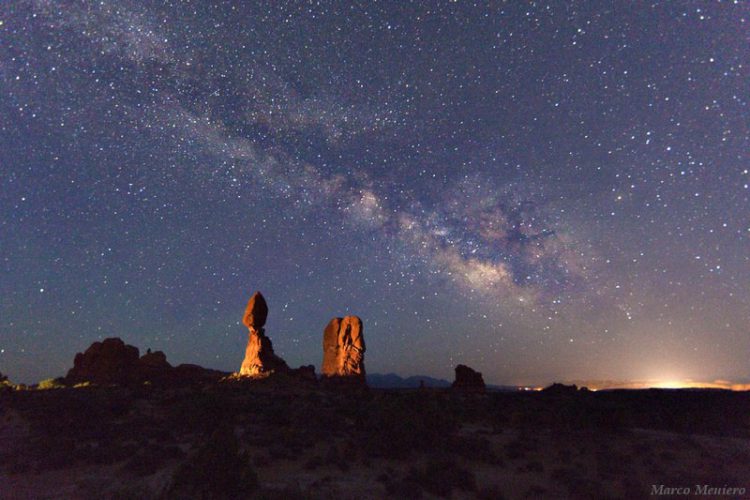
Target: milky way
<point>543,191</point>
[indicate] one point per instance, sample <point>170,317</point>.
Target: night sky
<point>541,190</point>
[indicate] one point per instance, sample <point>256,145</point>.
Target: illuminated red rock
<point>259,356</point>
<point>344,349</point>
<point>468,380</point>
<point>256,312</point>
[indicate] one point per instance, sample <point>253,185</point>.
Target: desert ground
<point>286,438</point>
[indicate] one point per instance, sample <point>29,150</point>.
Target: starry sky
<point>541,190</point>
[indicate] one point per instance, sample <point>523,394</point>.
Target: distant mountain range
<point>393,381</point>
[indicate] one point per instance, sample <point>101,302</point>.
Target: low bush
<point>398,426</point>
<point>215,470</point>
<point>441,476</point>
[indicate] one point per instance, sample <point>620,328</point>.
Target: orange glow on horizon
<point>663,384</point>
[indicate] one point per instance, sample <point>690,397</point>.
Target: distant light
<point>671,384</point>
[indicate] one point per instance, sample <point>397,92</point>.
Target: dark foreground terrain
<point>276,439</point>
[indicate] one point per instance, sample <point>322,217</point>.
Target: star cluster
<point>540,190</point>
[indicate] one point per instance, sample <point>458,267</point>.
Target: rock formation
<point>558,389</point>
<point>112,361</point>
<point>157,360</point>
<point>108,362</point>
<point>153,366</point>
<point>305,373</point>
<point>259,356</point>
<point>468,380</point>
<point>344,349</point>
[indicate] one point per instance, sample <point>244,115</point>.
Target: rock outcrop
<point>153,366</point>
<point>344,349</point>
<point>113,362</point>
<point>260,360</point>
<point>558,389</point>
<point>468,380</point>
<point>256,312</point>
<point>305,373</point>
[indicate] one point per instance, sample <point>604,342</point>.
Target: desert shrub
<point>202,411</point>
<point>288,493</point>
<point>107,453</point>
<point>278,451</point>
<point>403,488</point>
<point>536,491</point>
<point>516,449</point>
<point>16,465</point>
<point>313,421</point>
<point>492,492</point>
<point>535,467</point>
<point>53,453</point>
<point>394,427</point>
<point>398,487</point>
<point>314,462</point>
<point>565,476</point>
<point>611,463</point>
<point>476,448</point>
<point>336,457</point>
<point>131,492</point>
<point>147,461</point>
<point>440,476</point>
<point>293,439</point>
<point>576,484</point>
<point>215,470</point>
<point>51,383</point>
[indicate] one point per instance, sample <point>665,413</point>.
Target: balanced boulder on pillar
<point>259,356</point>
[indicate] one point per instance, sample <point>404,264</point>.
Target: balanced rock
<point>259,356</point>
<point>256,312</point>
<point>468,380</point>
<point>344,349</point>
